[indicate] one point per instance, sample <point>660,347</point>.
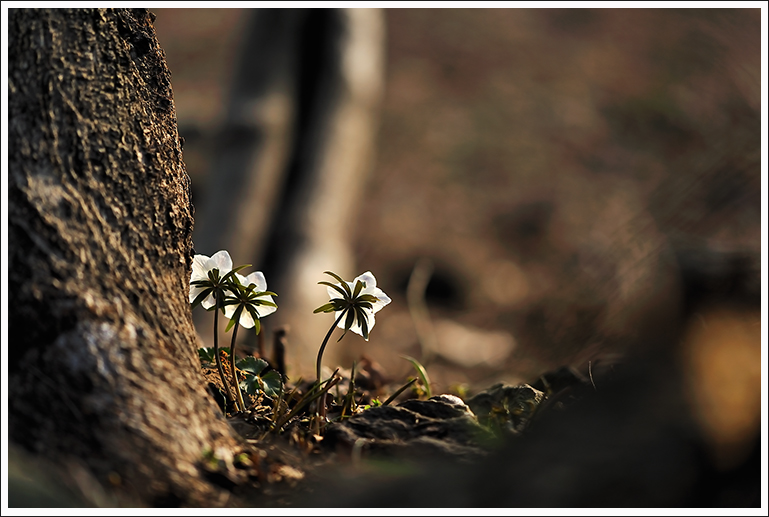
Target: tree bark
<point>102,351</point>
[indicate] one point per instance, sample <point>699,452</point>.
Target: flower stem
<point>235,382</point>
<point>323,346</point>
<point>225,385</point>
<point>321,406</point>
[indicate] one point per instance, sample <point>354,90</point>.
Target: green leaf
<point>200,297</point>
<point>273,383</point>
<point>400,390</point>
<point>363,323</point>
<point>251,384</point>
<point>231,274</point>
<point>235,319</point>
<point>350,320</point>
<point>370,298</point>
<point>329,307</point>
<point>422,373</point>
<point>206,355</point>
<point>344,293</point>
<point>252,365</point>
<point>233,288</point>
<point>263,293</point>
<point>341,282</point>
<point>358,288</point>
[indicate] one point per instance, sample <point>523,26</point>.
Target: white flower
<point>360,299</point>
<point>253,298</point>
<point>202,271</point>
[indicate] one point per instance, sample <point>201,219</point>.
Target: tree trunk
<point>102,351</point>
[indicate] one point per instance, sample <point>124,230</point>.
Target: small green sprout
<point>319,389</point>
<point>400,390</point>
<point>348,408</point>
<point>421,372</point>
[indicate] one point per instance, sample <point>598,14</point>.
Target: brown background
<point>550,163</point>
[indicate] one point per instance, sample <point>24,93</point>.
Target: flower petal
<point>368,279</point>
<point>257,277</point>
<point>221,260</point>
<point>199,269</point>
<point>246,320</point>
<point>229,310</point>
<point>357,326</point>
<point>242,279</point>
<point>382,299</point>
<point>264,310</point>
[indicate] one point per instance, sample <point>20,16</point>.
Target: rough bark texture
<point>102,352</point>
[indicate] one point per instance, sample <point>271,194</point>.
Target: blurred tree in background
<point>569,172</point>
